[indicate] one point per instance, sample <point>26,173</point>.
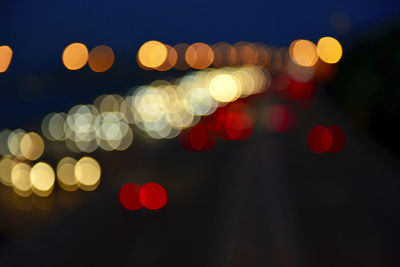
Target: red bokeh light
<point>238,125</point>
<point>184,139</point>
<point>339,139</point>
<point>153,196</point>
<point>198,138</point>
<point>129,196</point>
<point>233,121</point>
<point>279,118</point>
<point>320,139</point>
<point>299,90</point>
<point>216,122</point>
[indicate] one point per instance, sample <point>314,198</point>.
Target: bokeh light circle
<point>75,56</point>
<point>5,57</point>
<point>339,139</point>
<point>42,178</point>
<point>199,56</point>
<point>20,179</point>
<point>7,163</point>
<point>129,196</point>
<point>224,88</point>
<point>303,53</point>
<point>171,60</point>
<point>199,138</point>
<point>152,54</point>
<point>238,125</point>
<point>32,146</point>
<point>101,58</point>
<point>153,196</point>
<point>329,50</point>
<point>66,174</point>
<point>320,139</point>
<point>87,172</point>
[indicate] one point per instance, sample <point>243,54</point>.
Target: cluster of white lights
<point>85,128</point>
<point>161,109</point>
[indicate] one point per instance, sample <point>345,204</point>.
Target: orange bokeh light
<point>224,55</point>
<point>5,57</point>
<point>181,63</point>
<point>329,50</point>
<point>303,53</point>
<point>152,54</point>
<point>264,55</point>
<point>248,54</point>
<point>75,56</point>
<point>199,56</point>
<point>101,58</point>
<point>171,60</point>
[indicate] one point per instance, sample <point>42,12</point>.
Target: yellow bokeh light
<point>224,88</point>
<point>152,54</point>
<point>87,172</point>
<point>101,58</point>
<point>5,57</point>
<point>199,56</point>
<point>303,53</point>
<point>32,146</point>
<point>42,178</point>
<point>66,174</point>
<point>329,50</point>
<point>20,179</point>
<point>75,56</point>
<point>7,163</point>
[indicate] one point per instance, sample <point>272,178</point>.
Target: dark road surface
<point>264,201</point>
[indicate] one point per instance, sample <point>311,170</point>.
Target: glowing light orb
<point>329,50</point>
<point>75,56</point>
<point>152,54</point>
